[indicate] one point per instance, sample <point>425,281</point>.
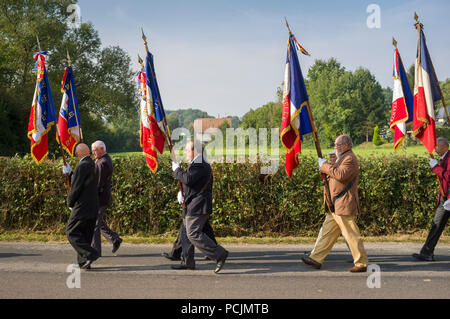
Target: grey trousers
<point>177,247</point>
<point>192,235</point>
<point>102,229</point>
<point>437,227</point>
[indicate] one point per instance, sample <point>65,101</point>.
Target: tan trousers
<point>333,226</point>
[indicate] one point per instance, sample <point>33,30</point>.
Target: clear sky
<point>227,56</point>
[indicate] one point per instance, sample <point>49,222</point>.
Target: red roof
<point>206,123</point>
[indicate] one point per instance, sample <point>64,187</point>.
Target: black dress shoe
<point>86,264</point>
<point>181,267</point>
<point>221,262</point>
<point>166,255</point>
<point>116,245</point>
<point>423,257</point>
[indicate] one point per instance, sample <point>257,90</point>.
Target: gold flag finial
<point>145,39</point>
<point>287,25</point>
<point>39,44</point>
<point>69,61</point>
<point>394,42</point>
<point>417,24</point>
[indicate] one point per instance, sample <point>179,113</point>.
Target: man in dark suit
<point>442,213</point>
<point>197,184</point>
<point>83,203</point>
<point>104,169</point>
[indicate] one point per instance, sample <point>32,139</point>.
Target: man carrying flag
<point>402,101</point>
<point>426,92</point>
<point>42,115</point>
<point>69,121</point>
<point>295,122</point>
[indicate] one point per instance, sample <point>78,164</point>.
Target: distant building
<point>202,124</point>
<point>441,116</point>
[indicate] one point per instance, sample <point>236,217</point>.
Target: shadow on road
<point>6,255</point>
<point>279,262</point>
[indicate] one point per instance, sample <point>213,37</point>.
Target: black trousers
<point>437,227</point>
<point>177,247</point>
<point>79,233</point>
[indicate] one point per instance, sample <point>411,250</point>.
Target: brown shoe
<point>358,269</point>
<point>311,262</point>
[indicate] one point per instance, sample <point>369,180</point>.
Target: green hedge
<point>397,194</point>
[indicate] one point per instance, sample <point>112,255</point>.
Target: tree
<point>344,102</point>
<point>376,136</point>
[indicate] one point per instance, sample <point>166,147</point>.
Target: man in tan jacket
<point>341,219</point>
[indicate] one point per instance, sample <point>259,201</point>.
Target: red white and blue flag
<point>146,142</point>
<point>426,92</point>
<point>69,121</point>
<point>42,115</point>
<point>295,122</point>
<point>402,102</point>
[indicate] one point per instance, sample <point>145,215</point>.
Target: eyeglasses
<point>338,144</point>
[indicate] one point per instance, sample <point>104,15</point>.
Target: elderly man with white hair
<point>104,168</point>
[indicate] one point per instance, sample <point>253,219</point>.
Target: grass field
<point>363,150</point>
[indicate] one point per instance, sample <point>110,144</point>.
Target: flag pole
<point>419,26</point>
<point>168,137</point>
<point>315,137</point>
<point>80,131</point>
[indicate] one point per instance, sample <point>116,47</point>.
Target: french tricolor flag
<point>402,102</point>
<point>426,92</point>
<point>295,121</point>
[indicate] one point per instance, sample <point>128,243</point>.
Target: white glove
<point>66,169</point>
<point>175,166</point>
<point>321,161</point>
<point>447,204</point>
<point>433,162</point>
<point>70,208</point>
<point>180,198</point>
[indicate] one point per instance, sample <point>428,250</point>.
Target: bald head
<point>82,150</point>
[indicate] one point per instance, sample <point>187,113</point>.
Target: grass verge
<point>46,237</point>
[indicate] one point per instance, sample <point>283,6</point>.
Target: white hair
<point>99,144</point>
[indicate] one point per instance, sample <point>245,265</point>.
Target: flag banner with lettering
<point>151,157</point>
<point>69,121</point>
<point>426,92</point>
<point>157,115</point>
<point>42,115</point>
<point>402,102</point>
<point>295,122</point>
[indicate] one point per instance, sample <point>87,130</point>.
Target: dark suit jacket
<point>104,170</point>
<point>198,197</point>
<point>442,170</point>
<point>83,197</point>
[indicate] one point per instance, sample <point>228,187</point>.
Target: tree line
<point>342,102</point>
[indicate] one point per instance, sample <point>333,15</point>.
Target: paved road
<point>38,270</point>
